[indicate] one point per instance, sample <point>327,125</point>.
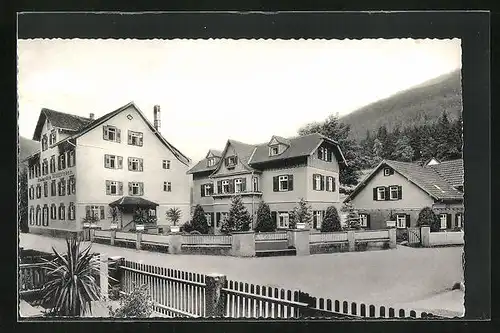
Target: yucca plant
<point>71,280</point>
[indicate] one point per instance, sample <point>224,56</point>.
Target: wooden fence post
<point>113,237</point>
<point>215,302</point>
<point>138,241</point>
<point>103,276</point>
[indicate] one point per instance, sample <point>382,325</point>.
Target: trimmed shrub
<point>265,222</point>
<point>427,217</point>
<point>331,221</point>
<point>239,218</point>
<point>199,221</point>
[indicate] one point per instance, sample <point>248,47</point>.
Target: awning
<point>133,202</point>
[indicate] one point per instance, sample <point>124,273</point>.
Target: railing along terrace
<point>270,236</point>
<point>102,233</point>
<point>206,239</point>
<point>328,237</point>
<point>31,277</point>
<point>371,234</point>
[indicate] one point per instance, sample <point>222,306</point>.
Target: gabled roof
<point>299,146</point>
<point>68,122</point>
<point>281,140</point>
<point>424,177</point>
<point>99,121</point>
<point>452,171</point>
<point>243,150</point>
<point>214,152</point>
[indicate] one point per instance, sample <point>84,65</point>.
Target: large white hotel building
<point>86,164</point>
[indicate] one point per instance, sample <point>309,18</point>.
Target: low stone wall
<point>125,243</point>
<point>320,248</point>
<point>154,247</point>
<point>372,246</point>
<point>105,241</point>
<point>214,250</point>
<point>56,233</point>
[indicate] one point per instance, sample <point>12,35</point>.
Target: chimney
<point>91,116</point>
<point>156,112</point>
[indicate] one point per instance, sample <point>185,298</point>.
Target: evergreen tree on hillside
<point>334,129</point>
<point>403,151</point>
<point>441,135</point>
<point>378,150</point>
<point>455,140</point>
<point>265,222</point>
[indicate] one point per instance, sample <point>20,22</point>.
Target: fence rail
<point>157,239</point>
<point>102,233</point>
<point>126,235</point>
<point>206,239</point>
<point>31,277</point>
<point>371,234</point>
<point>270,236</point>
<point>328,237</point>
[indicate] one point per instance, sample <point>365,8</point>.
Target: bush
<point>265,222</point>
<point>137,304</point>
<point>331,221</point>
<point>239,218</point>
<point>302,213</point>
<point>199,221</point>
<point>427,217</point>
<point>186,227</point>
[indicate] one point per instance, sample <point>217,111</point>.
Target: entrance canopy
<point>131,202</point>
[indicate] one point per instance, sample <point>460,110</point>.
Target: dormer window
<point>52,137</point>
<point>387,172</point>
<point>44,142</point>
<point>324,154</point>
<point>273,151</point>
<point>211,162</point>
<point>231,161</point>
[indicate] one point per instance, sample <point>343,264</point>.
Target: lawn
<point>386,277</point>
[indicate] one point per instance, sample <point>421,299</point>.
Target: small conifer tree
<point>331,221</point>
<point>199,221</point>
<point>265,222</point>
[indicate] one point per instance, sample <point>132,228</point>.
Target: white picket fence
<point>206,239</point>
<point>446,238</point>
<point>270,236</point>
<point>371,235</point>
<point>328,237</point>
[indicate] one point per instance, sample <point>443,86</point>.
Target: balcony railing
<point>222,195</point>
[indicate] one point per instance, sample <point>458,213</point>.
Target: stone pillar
<point>290,237</point>
<point>352,240</point>
<point>113,237</point>
<point>91,234</point>
<point>425,236</point>
<point>300,240</point>
<point>175,243</point>
<point>243,244</point>
<point>392,238</point>
<point>215,302</point>
<point>138,241</point>
<point>103,275</point>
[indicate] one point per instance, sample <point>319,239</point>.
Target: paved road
<point>387,277</point>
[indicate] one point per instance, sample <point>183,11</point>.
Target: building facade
<point>397,191</point>
<point>279,172</point>
<point>85,164</point>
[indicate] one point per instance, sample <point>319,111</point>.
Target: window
<point>37,170</point>
<point>53,163</point>
<point>135,164</point>
<point>53,188</point>
<point>380,193</point>
<point>152,212</point>
<point>135,188</point>
<point>129,117</point>
<point>225,186</point>
<point>274,150</point>
<point>53,211</point>
<point>71,158</point>
<point>111,133</point>
<point>53,137</point>
<point>237,185</point>
<point>44,142</point>
<point>393,193</point>
<point>45,216</point>
<point>223,217</point>
<point>443,218</point>
<point>38,191</point>
<point>167,186</point>
<point>113,187</point>
<point>208,216</point>
<point>71,185</point>
<point>30,172</point>
<point>94,211</point>
<point>113,161</point>
<point>317,182</point>
<point>231,161</point>
<point>401,221</point>
<point>255,183</point>
<point>283,183</point>
<point>207,190</point>
<point>387,172</point>
<point>62,187</point>
<point>283,220</point>
<point>38,215</point>
<point>62,162</point>
<point>134,138</point>
<point>71,211</point>
<point>317,219</point>
<point>32,215</point>
<point>45,167</point>
<point>459,220</point>
<point>62,212</point>
<point>166,164</point>
<point>45,189</point>
<point>363,219</point>
<point>211,162</point>
<point>324,154</point>
<point>329,184</point>
<point>32,192</point>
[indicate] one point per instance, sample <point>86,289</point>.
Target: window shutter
<point>448,221</point>
<point>202,188</point>
<point>320,153</point>
<point>235,160</point>
<point>129,164</point>
<point>59,162</point>
<point>108,187</point>
<point>212,219</point>
<point>219,186</point>
<point>375,193</point>
<point>102,213</point>
<point>140,140</point>
<point>129,189</point>
<point>104,132</point>
<point>141,188</point>
<point>334,184</point>
<point>87,211</point>
<point>129,139</point>
<point>368,224</point>
<point>141,165</point>
<point>274,217</point>
<point>275,184</point>
<point>314,182</point>
<point>118,135</point>
<point>226,161</point>
<point>290,182</point>
<point>400,192</point>
<point>120,162</point>
<point>329,157</point>
<point>231,186</point>
<point>322,182</point>
<point>217,218</point>
<point>387,193</point>
<point>391,171</point>
<point>408,224</point>
<point>120,188</point>
<point>243,184</point>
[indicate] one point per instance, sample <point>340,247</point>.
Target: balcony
<point>226,195</point>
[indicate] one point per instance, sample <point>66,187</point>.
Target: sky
<point>213,90</point>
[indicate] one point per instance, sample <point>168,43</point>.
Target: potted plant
<point>174,215</point>
<point>302,215</point>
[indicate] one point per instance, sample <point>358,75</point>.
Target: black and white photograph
<point>241,178</point>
